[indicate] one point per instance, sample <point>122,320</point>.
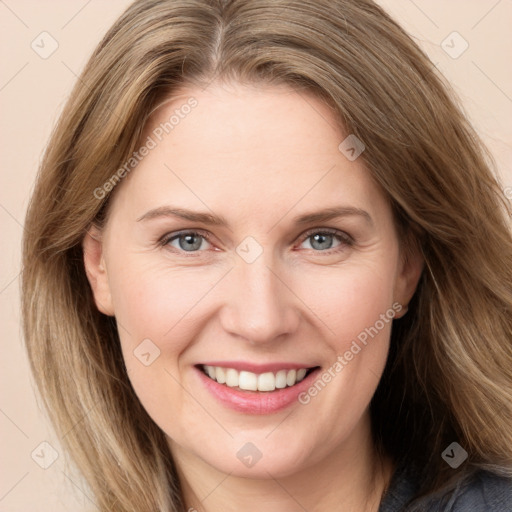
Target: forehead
<point>247,146</point>
<point>267,119</point>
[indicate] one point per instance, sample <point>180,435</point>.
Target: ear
<point>409,272</point>
<point>96,271</point>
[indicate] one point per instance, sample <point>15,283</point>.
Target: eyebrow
<point>218,220</point>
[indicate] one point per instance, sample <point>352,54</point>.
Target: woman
<point>267,265</point>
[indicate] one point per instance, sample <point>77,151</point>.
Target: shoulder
<point>481,491</point>
<point>485,491</point>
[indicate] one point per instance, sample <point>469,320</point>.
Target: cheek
<point>158,303</point>
<point>157,312</point>
<point>355,307</point>
<point>348,300</point>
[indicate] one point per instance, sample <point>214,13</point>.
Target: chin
<point>261,458</point>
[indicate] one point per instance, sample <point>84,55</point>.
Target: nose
<point>259,305</point>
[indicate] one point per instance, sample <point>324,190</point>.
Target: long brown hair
<point>449,372</point>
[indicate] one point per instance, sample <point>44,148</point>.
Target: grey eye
<point>188,241</point>
<point>321,241</point>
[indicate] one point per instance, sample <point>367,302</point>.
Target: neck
<point>353,475</point>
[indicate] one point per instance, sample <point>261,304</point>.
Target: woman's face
<point>247,245</point>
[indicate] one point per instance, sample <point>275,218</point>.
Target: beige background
<point>32,93</point>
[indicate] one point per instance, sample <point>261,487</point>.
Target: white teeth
<point>291,378</point>
<point>281,379</point>
<point>231,378</point>
<point>266,382</point>
<point>249,381</point>
<point>211,371</point>
<point>301,374</point>
<point>220,375</point>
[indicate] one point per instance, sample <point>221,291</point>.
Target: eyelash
<point>344,238</point>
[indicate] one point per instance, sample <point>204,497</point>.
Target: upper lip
<point>255,367</point>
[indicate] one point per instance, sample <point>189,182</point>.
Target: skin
<point>259,156</point>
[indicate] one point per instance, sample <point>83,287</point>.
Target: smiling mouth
<point>249,381</point>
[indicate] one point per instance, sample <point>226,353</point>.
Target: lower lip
<point>256,402</point>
